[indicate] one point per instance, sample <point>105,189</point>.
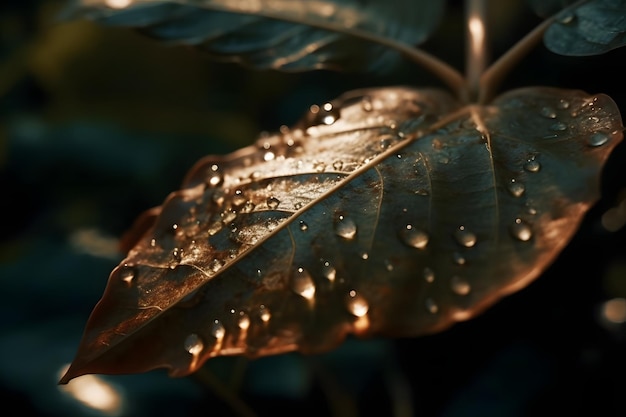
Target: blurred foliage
<point>98,124</point>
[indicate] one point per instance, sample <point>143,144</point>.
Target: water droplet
<point>303,226</point>
<point>345,227</point>
<point>431,306</point>
<point>215,177</point>
<point>193,344</point>
<point>357,305</point>
<point>366,104</point>
<point>563,104</point>
<point>598,139</point>
<point>338,165</point>
<point>127,274</point>
<point>302,283</point>
<point>329,272</point>
<point>521,230</point>
<point>516,188</point>
<point>217,330</point>
<point>269,156</point>
<point>458,259</point>
<point>153,242</point>
<point>264,313</point>
<point>388,265</point>
<point>413,237</point>
<point>365,256</point>
<point>429,275</point>
<point>177,254</point>
<point>464,237</point>
<point>244,321</point>
<point>566,17</point>
<point>327,114</point>
<point>460,286</point>
<point>532,165</point>
<point>238,199</point>
<point>273,202</point>
<point>559,127</point>
<point>228,216</point>
<point>385,143</point>
<point>548,112</point>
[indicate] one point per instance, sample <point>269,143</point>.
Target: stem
<point>492,77</point>
<point>476,49</point>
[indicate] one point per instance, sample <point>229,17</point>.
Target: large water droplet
<point>598,139</point>
<point>460,285</point>
<point>431,306</point>
<point>357,305</point>
<point>532,165</point>
<point>516,188</point>
<point>521,230</point>
<point>273,203</point>
<point>464,237</point>
<point>193,344</point>
<point>429,275</point>
<point>414,237</point>
<point>345,227</point>
<point>217,330</point>
<point>302,283</point>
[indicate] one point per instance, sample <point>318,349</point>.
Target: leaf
<point>281,34</point>
<point>389,211</point>
<point>546,8</point>
<point>593,28</point>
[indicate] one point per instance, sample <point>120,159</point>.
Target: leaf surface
<point>280,34</point>
<point>390,211</point>
<point>595,27</point>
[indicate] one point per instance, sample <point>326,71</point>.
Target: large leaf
<point>389,211</point>
<point>592,28</point>
<point>282,34</point>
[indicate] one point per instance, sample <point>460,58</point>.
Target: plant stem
<point>476,49</point>
<point>491,78</point>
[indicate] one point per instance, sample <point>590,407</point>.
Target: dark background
<point>98,124</point>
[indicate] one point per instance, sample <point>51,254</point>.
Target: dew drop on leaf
<point>598,139</point>
<point>215,177</point>
<point>516,188</point>
<point>127,274</point>
<point>429,275</point>
<point>264,313</point>
<point>302,283</point>
<point>217,330</point>
<point>458,259</point>
<point>303,226</point>
<point>464,237</point>
<point>521,230</point>
<point>273,203</point>
<point>193,344</point>
<point>460,286</point>
<point>329,272</point>
<point>345,227</point>
<point>532,165</point>
<point>413,237</point>
<point>548,112</point>
<point>357,305</point>
<point>244,321</point>
<point>431,306</point>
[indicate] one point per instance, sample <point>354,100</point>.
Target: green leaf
<point>389,211</point>
<point>347,35</point>
<point>593,28</point>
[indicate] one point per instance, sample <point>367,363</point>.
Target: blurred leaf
<point>546,8</point>
<point>389,211</point>
<point>593,28</point>
<point>281,34</point>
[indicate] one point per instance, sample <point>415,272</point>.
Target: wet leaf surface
<point>389,211</point>
<point>283,34</point>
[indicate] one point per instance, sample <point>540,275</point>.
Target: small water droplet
<point>598,139</point>
<point>345,227</point>
<point>326,114</point>
<point>414,237</point>
<point>558,127</point>
<point>357,305</point>
<point>460,286</point>
<point>366,104</point>
<point>563,104</point>
<point>303,226</point>
<point>429,275</point>
<point>244,321</point>
<point>228,216</point>
<point>302,283</point>
<point>215,177</point>
<point>388,265</point>
<point>269,156</point>
<point>193,344</point>
<point>338,165</point>
<point>329,272</point>
<point>217,330</point>
<point>127,274</point>
<point>273,202</point>
<point>516,188</point>
<point>365,256</point>
<point>532,165</point>
<point>521,230</point>
<point>566,17</point>
<point>264,313</point>
<point>548,112</point>
<point>431,306</point>
<point>464,237</point>
<point>153,242</point>
<point>238,199</point>
<point>458,259</point>
<point>177,254</point>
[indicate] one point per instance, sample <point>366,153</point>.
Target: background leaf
<point>593,28</point>
<point>280,34</point>
<point>386,212</point>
